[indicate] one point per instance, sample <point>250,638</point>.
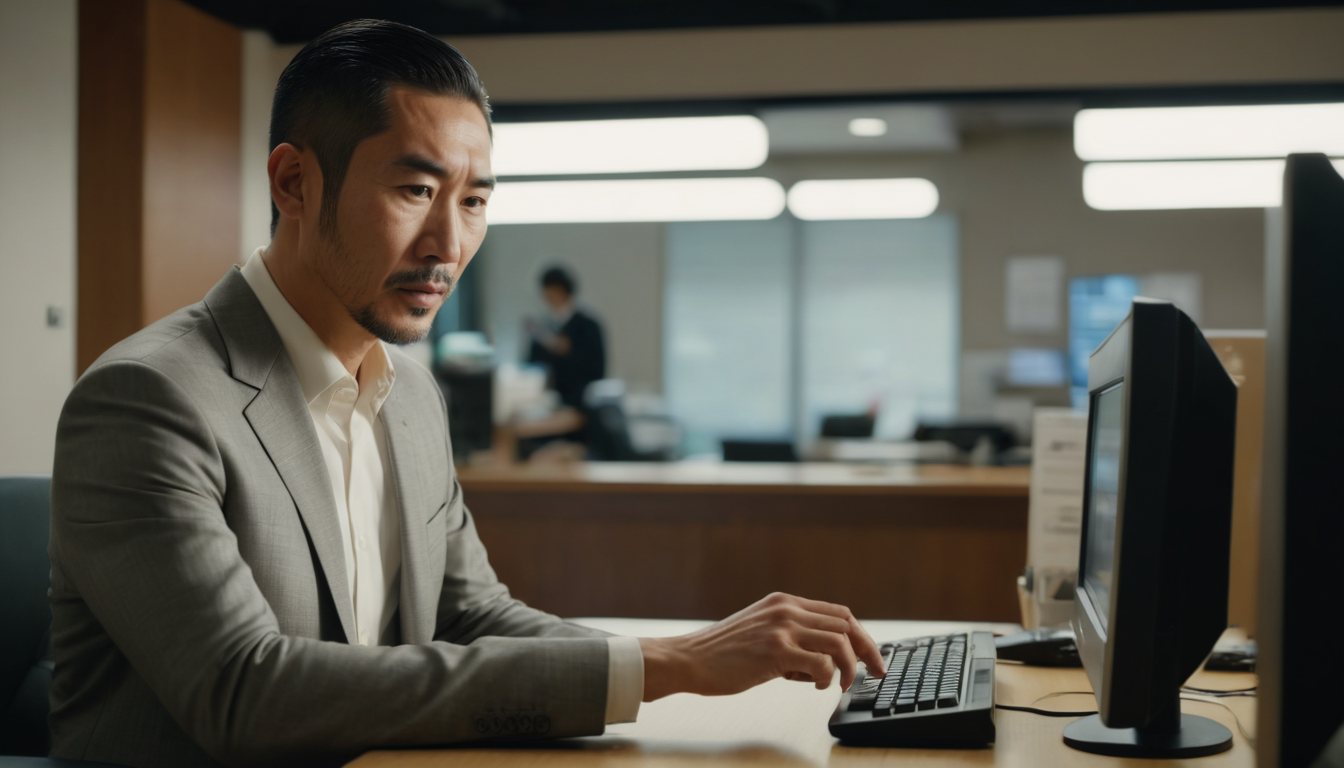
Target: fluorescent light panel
<point>868,126</point>
<point>1193,184</point>
<point>556,202</point>
<point>733,142</point>
<point>1191,133</point>
<point>863,199</point>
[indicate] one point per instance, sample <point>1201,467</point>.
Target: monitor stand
<point>1169,735</point>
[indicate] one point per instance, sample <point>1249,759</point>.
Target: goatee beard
<point>368,318</point>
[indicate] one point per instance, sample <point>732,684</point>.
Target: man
<point>572,350</point>
<point>260,554</point>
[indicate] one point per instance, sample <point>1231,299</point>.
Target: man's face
<point>557,298</point>
<point>410,216</point>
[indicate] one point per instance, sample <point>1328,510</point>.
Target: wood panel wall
<point>1243,356</point>
<point>160,90</point>
<point>706,555</point>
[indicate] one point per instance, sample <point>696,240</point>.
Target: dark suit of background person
<point>573,352</point>
<point>198,581</point>
<point>585,362</point>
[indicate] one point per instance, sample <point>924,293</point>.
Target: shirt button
<point>363,638</point>
<point>361,543</point>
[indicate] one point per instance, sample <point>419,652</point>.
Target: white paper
<point>1055,512</point>
<point>1034,294</point>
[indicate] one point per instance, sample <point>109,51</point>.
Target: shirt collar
<point>317,366</point>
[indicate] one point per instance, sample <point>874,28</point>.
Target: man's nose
<point>443,239</point>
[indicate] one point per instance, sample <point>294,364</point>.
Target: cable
<point>1217,692</point>
<point>1046,712</point>
<point>1249,738</point>
<point>1050,712</point>
<point>1210,698</point>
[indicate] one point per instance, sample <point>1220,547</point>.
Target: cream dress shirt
<point>346,412</point>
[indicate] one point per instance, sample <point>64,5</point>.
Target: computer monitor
<point>1157,527</point>
<point>1301,696</point>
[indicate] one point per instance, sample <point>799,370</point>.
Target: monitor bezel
<point>1108,366</point>
<point>1148,368</point>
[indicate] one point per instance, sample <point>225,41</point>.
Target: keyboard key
<point>947,700</point>
<point>902,706</point>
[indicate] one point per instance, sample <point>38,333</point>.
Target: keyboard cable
<point>1211,696</point>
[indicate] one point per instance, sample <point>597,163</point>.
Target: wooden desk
<point>784,723</point>
<point>701,540</point>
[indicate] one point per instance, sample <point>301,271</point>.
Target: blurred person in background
<point>568,341</point>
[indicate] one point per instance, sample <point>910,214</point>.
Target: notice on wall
<point>1034,294</point>
<point>1055,516</point>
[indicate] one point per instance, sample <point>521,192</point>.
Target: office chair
<point>606,430</point>
<point>965,435</point>
<point>847,425</point>
<point>25,632</point>
<point>759,450</point>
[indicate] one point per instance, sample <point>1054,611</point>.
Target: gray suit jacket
<point>199,597</point>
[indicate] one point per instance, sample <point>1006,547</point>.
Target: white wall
<point>262,64</point>
<point>38,80</point>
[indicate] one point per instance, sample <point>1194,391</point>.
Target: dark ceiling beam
<point>297,21</point>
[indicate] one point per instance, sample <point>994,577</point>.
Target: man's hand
<point>780,636</point>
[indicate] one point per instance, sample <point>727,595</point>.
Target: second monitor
<point>1157,511</point>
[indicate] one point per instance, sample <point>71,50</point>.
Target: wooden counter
<point>707,477</point>
<point>700,541</point>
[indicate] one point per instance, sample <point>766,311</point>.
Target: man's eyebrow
<point>422,164</point>
<point>425,165</point>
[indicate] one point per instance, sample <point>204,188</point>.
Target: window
<point>771,325</point>
<point>727,315</point>
<point>880,322</point>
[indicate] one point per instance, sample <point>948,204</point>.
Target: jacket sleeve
<point>139,535</point>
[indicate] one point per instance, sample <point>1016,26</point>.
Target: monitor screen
<point>1103,502</point>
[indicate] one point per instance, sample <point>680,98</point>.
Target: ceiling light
<point>733,142</point>
<point>1171,185</point>
<point>868,126</point>
<point>863,199</point>
<point>553,202</point>
<point>1190,133</point>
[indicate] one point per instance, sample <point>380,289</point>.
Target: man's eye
<point>474,202</point>
<point>419,190</point>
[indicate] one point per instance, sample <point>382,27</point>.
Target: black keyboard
<point>939,691</point>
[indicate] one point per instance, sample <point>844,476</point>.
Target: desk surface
<point>784,723</point>
<point>753,478</point>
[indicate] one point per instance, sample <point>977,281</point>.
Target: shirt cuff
<point>625,679</point>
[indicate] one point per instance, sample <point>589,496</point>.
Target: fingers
<point>866,649</point>
<point>837,647</point>
<point>831,617</point>
<point>805,665</point>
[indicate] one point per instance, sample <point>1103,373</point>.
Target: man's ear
<point>286,167</point>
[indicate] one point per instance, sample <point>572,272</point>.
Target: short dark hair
<point>560,278</point>
<point>333,94</point>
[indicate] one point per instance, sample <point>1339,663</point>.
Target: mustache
<point>438,275</point>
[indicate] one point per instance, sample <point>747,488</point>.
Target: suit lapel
<point>279,417</point>
<point>419,592</point>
